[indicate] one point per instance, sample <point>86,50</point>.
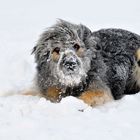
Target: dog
<point>96,67</point>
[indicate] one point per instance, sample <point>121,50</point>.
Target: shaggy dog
<point>94,67</point>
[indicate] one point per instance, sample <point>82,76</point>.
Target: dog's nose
<point>70,65</point>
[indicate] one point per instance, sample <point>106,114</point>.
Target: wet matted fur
<point>95,67</point>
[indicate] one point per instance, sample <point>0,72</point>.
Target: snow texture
<point>34,118</point>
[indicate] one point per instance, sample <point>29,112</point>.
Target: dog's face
<point>69,61</point>
<point>62,54</point>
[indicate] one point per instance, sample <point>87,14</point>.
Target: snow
<point>34,118</point>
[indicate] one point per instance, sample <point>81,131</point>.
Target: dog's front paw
<point>53,94</point>
<point>95,98</point>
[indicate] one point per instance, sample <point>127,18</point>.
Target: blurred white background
<point>21,22</point>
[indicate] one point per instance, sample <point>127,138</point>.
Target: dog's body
<point>95,67</point>
<point>120,51</point>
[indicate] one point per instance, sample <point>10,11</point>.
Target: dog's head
<point>62,53</point>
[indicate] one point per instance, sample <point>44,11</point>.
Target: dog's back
<point>121,53</point>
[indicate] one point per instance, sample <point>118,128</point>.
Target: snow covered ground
<point>34,118</point>
<point>31,118</point>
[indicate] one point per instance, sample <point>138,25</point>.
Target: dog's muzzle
<point>69,64</point>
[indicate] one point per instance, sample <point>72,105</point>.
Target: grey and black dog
<point>95,67</point>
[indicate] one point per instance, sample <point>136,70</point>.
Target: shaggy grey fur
<point>118,48</point>
<point>108,60</point>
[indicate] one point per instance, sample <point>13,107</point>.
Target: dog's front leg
<point>96,97</point>
<point>53,94</point>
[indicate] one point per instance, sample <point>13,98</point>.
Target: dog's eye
<point>76,47</point>
<point>56,50</point>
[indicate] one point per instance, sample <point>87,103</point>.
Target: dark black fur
<point>118,48</point>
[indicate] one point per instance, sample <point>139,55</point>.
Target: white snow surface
<point>34,118</point>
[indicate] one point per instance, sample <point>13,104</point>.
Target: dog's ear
<point>84,32</point>
<point>43,46</point>
<point>42,54</point>
<point>85,35</point>
<point>42,49</point>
